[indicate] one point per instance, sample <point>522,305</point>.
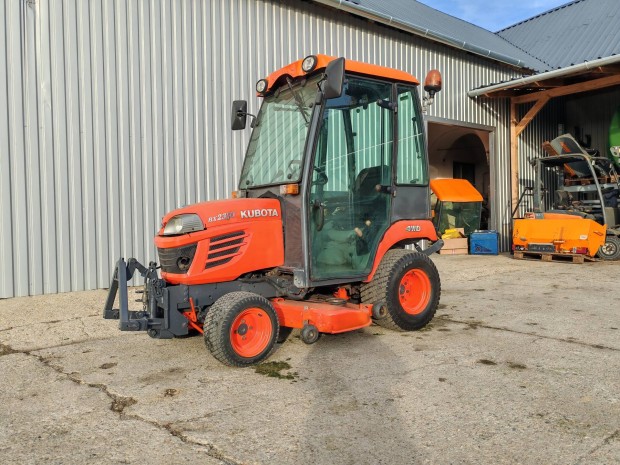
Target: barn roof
<point>576,32</point>
<point>419,19</point>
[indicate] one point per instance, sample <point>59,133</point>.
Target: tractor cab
<point>459,205</point>
<point>345,165</point>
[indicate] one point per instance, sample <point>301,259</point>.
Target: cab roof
<point>294,70</point>
<point>455,190</point>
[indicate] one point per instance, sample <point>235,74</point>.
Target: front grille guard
<point>160,319</point>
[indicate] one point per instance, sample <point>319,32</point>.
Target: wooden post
<point>514,156</point>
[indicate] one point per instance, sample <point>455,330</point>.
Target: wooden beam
<point>529,116</point>
<point>586,86</point>
<point>514,156</point>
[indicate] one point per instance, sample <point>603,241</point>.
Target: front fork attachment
<point>148,319</point>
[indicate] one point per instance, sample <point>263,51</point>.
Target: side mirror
<point>239,114</point>
<point>432,83</point>
<point>334,78</point>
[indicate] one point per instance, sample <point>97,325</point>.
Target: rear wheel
<point>610,250</point>
<point>408,285</point>
<point>241,329</point>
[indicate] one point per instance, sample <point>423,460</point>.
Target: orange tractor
<point>333,187</point>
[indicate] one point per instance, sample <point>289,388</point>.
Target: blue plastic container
<point>483,243</point>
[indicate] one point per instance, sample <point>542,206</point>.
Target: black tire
<point>309,334</point>
<point>231,346</point>
<point>399,267</point>
<point>610,250</point>
<point>285,332</point>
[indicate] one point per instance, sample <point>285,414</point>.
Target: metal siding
<point>543,128</point>
<point>592,114</point>
<point>6,233</point>
<point>115,112</point>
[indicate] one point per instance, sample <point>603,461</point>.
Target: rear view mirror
<point>334,78</point>
<point>239,114</point>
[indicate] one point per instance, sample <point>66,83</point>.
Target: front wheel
<point>408,285</point>
<point>610,250</point>
<point>241,329</point>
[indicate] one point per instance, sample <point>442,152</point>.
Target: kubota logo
<point>259,212</point>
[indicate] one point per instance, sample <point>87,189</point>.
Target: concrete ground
<point>520,365</point>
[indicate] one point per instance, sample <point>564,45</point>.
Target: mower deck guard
<point>159,319</point>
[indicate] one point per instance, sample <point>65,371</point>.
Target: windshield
<point>449,215</point>
<point>275,151</point>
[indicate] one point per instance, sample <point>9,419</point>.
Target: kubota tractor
<point>333,187</point>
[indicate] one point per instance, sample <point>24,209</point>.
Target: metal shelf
<point>587,187</point>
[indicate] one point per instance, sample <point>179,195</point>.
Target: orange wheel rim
<point>414,291</point>
<point>251,332</point>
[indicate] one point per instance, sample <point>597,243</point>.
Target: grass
<point>274,370</point>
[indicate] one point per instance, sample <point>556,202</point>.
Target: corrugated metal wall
<point>114,112</point>
<point>590,114</point>
<point>530,145</point>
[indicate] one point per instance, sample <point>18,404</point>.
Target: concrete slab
<point>521,365</point>
<point>51,417</point>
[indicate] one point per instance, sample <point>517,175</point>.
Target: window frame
<point>418,110</point>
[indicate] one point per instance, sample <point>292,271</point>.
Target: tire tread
<point>215,334</point>
<point>376,290</point>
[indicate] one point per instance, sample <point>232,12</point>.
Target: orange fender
<point>406,230</point>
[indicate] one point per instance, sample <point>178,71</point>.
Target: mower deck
<point>327,317</point>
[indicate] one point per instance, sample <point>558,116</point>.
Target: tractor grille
<point>223,248</point>
<point>176,260</point>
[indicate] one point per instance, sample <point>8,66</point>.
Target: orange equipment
<point>333,187</point>
<point>582,216</point>
<point>459,205</point>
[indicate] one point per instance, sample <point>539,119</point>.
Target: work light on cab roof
<point>261,86</point>
<point>309,63</point>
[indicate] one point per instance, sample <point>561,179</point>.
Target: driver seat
<point>367,180</point>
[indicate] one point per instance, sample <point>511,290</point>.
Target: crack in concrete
<point>211,451</point>
<point>6,350</point>
<point>613,436</point>
<point>525,333</point>
<point>119,403</point>
<point>66,344</point>
<point>52,322</point>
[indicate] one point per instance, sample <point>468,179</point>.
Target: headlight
<point>261,86</point>
<point>183,224</point>
<point>309,63</point>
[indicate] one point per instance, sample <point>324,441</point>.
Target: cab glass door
<point>349,212</point>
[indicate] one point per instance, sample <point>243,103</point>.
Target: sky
<point>493,14</point>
